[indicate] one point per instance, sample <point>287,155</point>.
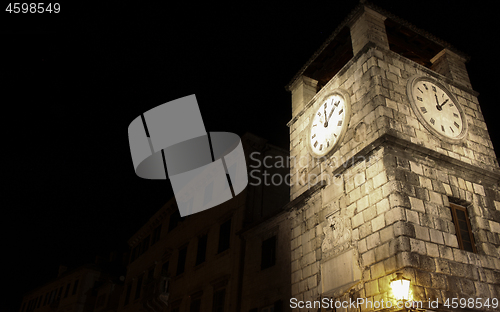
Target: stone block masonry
<point>387,190</point>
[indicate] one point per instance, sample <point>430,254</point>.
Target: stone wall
<point>385,203</point>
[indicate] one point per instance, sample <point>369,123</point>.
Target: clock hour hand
<point>444,103</point>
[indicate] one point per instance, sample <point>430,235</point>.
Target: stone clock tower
<point>393,172</point>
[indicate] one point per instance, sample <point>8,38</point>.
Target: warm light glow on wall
<point>401,287</point>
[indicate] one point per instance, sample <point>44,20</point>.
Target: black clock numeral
<point>325,104</point>
<point>451,104</point>
<point>455,115</point>
<point>340,111</point>
<point>321,147</point>
<point>335,135</point>
<point>319,113</point>
<point>313,136</point>
<point>442,128</point>
<point>419,98</point>
<point>434,88</point>
<point>420,90</point>
<point>337,103</point>
<point>432,121</point>
<point>340,123</point>
<point>425,86</point>
<point>452,130</point>
<point>456,125</point>
<point>423,109</point>
<point>315,143</point>
<point>315,125</point>
<point>327,144</point>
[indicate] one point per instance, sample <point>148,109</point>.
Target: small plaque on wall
<point>342,270</point>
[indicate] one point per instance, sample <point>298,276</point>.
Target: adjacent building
<point>70,291</point>
<point>92,287</point>
<point>233,257</point>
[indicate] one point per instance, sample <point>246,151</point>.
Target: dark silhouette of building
<point>233,257</point>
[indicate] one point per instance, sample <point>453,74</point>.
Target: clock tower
<point>393,173</point>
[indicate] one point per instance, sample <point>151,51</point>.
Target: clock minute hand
<point>330,115</point>
<point>437,103</point>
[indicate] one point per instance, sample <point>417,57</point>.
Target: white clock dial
<point>436,108</point>
<point>328,123</point>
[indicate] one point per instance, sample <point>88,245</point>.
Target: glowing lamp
<point>401,287</point>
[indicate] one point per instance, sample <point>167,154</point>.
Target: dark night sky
<point>77,79</point>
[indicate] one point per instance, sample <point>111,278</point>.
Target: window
<point>138,288</point>
<point>101,300</point>
<point>278,306</point>
<point>145,244</point>
<point>462,226</point>
<point>164,269</point>
<point>127,294</point>
<point>59,293</point>
<point>219,299</point>
<point>195,305</point>
<point>268,309</point>
<point>181,262</point>
<point>151,273</point>
<point>135,253</point>
<point>268,256</point>
<point>202,249</point>
<point>75,287</point>
<point>53,294</point>
<point>176,309</point>
<point>156,234</point>
<point>174,220</point>
<point>66,292</point>
<point>224,236</point>
<point>176,306</point>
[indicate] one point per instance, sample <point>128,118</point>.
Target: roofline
<point>352,15</point>
<point>88,266</point>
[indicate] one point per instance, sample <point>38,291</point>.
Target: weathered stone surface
<point>397,198</point>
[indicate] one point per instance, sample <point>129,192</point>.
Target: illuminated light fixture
<point>400,287</point>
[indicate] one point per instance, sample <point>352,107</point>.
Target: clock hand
<point>331,113</point>
<point>439,108</point>
<point>444,102</point>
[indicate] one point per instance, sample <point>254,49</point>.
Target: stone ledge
<point>390,140</point>
<point>300,200</point>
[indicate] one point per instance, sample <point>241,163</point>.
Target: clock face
<point>437,109</point>
<point>329,123</point>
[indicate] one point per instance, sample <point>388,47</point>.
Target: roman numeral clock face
<point>329,123</point>
<point>437,109</point>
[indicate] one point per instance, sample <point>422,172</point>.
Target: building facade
<point>212,260</point>
<point>69,292</point>
<point>395,175</point>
